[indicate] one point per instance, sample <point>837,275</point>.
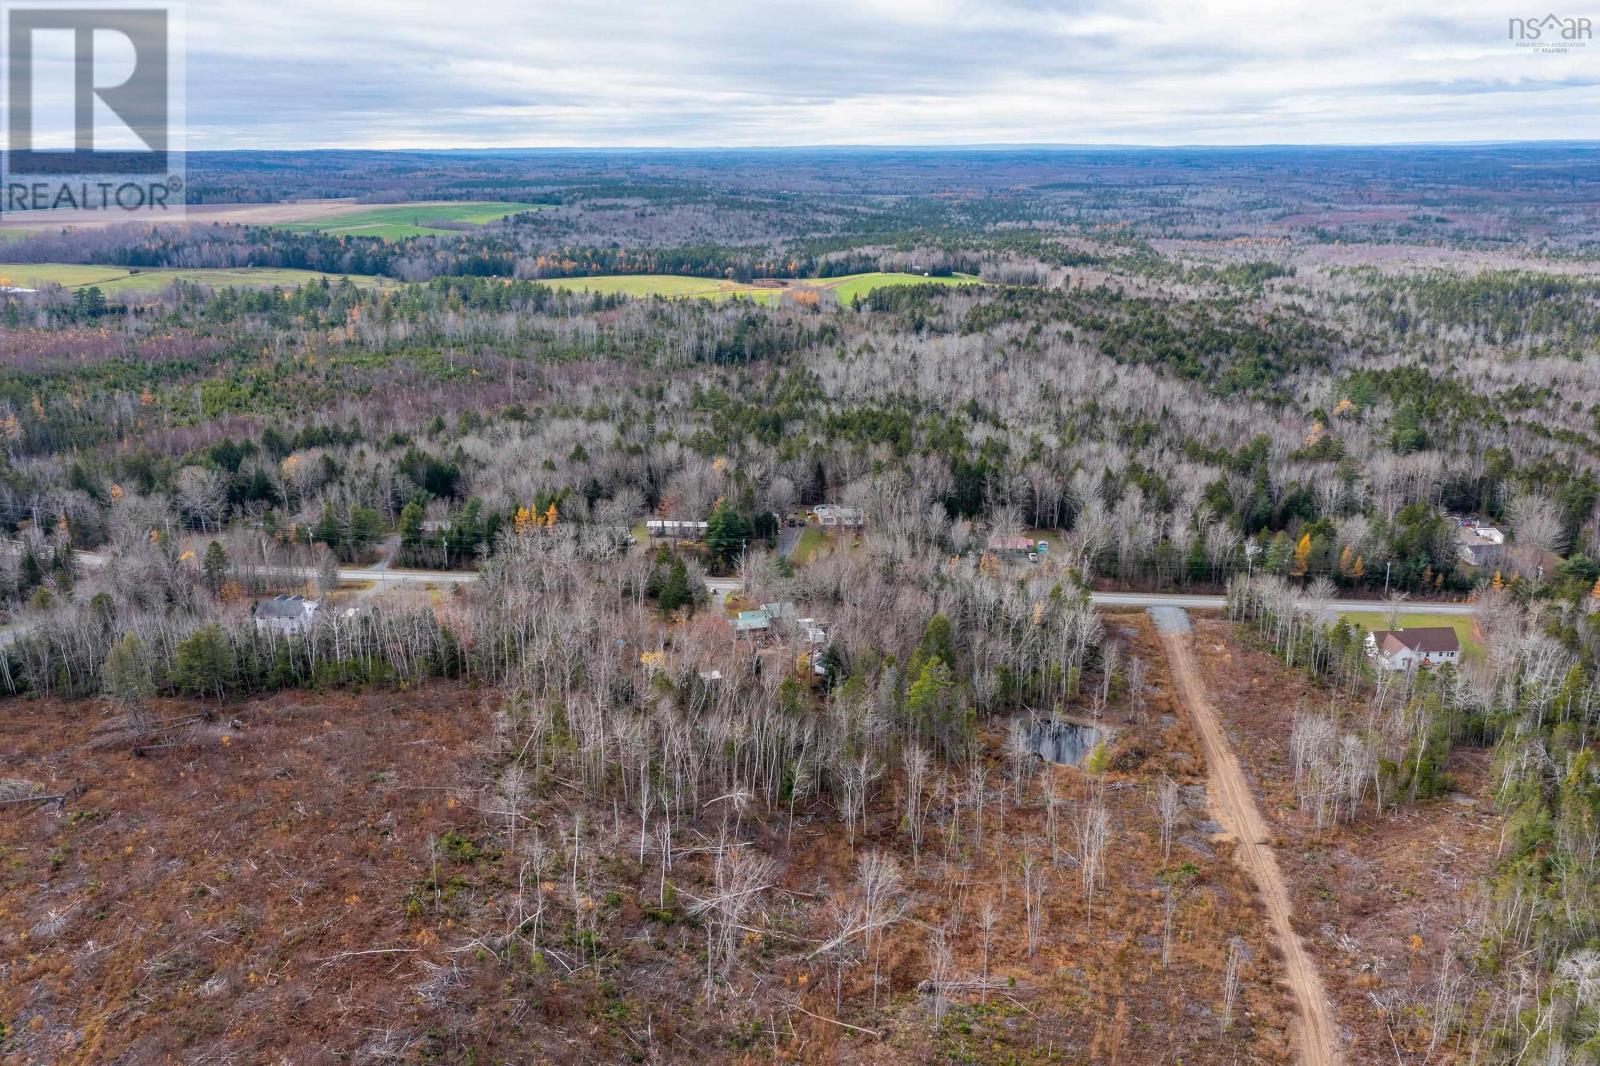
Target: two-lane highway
<point>720,588</point>
<point>384,574</point>
<point>1216,603</point>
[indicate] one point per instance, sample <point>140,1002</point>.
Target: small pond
<point>1065,743</point>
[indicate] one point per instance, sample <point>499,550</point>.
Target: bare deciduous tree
<point>739,876</point>
<point>202,496</point>
<point>1092,829</point>
<point>1169,805</point>
<point>1230,982</point>
<point>917,762</point>
<point>1537,530</point>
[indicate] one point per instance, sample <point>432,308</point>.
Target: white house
<point>285,615</point>
<point>1402,649</point>
<point>680,529</point>
<point>1480,545</point>
<point>834,516</point>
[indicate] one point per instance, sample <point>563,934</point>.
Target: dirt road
<point>1234,806</point>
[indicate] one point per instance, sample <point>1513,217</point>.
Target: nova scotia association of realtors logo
<point>1550,33</point>
<point>93,111</point>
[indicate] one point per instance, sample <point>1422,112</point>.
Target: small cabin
<point>1011,547</point>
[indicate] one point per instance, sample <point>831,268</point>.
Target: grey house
<point>284,615</point>
<point>1480,545</point>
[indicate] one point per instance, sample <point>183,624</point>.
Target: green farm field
<point>846,288</point>
<point>398,221</point>
<point>850,286</point>
<point>670,285</point>
<point>112,279</point>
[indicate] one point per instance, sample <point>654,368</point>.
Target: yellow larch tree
<point>1302,555</point>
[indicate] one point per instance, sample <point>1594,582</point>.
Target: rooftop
<point>1479,535</point>
<point>748,621</point>
<point>1430,640</point>
<point>285,607</point>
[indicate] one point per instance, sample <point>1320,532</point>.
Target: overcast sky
<point>425,73</point>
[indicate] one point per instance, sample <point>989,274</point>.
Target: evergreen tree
<point>127,677</point>
<point>409,527</point>
<point>327,528</point>
<point>203,663</point>
<point>366,529</point>
<point>1279,553</point>
<point>215,567</point>
<point>727,532</point>
<point>934,711</point>
<point>938,642</point>
<point>674,590</point>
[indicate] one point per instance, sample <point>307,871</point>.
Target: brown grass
<point>1376,900</point>
<point>205,902</point>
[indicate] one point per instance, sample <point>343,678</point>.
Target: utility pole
<point>1386,567</point>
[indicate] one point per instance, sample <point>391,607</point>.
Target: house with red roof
<point>1403,649</point>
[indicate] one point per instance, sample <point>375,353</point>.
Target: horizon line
<point>976,146</point>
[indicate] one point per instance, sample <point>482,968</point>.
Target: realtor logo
<point>93,107</point>
<point>1549,33</point>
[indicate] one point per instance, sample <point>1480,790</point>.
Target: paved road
<point>381,571</point>
<point>1217,603</point>
<point>384,573</point>
<point>721,586</point>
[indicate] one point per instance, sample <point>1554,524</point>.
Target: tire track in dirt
<point>1234,806</point>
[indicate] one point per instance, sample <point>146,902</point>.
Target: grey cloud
<point>353,72</point>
